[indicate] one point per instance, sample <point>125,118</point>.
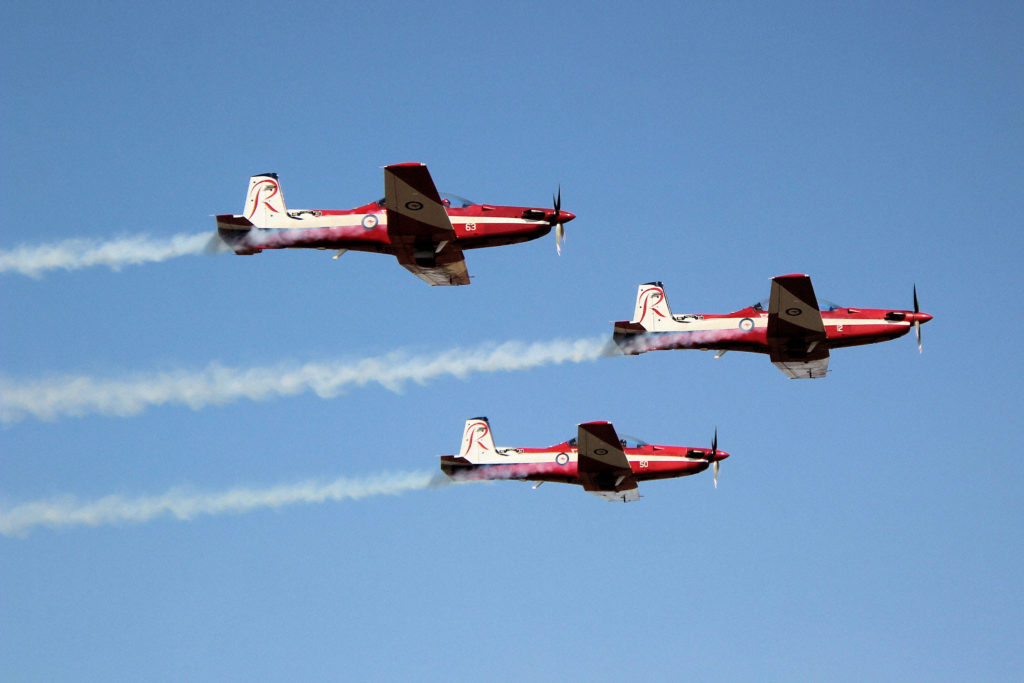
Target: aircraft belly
<point>856,335</point>
<point>497,235</point>
<point>666,469</point>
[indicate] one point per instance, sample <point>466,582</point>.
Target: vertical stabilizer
<point>264,204</point>
<point>477,442</point>
<point>652,309</point>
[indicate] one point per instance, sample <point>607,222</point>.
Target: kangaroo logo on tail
<point>477,442</point>
<point>264,204</point>
<point>651,306</point>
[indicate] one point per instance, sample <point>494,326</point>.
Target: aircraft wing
<point>414,207</point>
<point>449,267</point>
<point>797,342</point>
<point>419,228</point>
<point>602,465</point>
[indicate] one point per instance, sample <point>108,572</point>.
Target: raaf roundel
<point>792,327</point>
<point>424,230</point>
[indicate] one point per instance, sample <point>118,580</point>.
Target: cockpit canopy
<point>447,199</point>
<point>823,305</point>
<point>625,441</point>
<point>457,201</point>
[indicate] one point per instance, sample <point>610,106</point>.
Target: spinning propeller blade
<point>559,228</point>
<point>917,323</point>
<point>714,451</point>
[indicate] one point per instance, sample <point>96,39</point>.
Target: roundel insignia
<point>370,221</point>
<point>794,311</point>
<point>746,324</point>
<point>600,451</point>
<point>562,458</point>
<point>414,206</point>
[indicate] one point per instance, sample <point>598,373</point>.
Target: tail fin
<point>264,204</point>
<point>651,306</point>
<point>477,442</point>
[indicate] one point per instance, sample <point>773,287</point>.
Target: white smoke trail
<point>72,254</point>
<point>69,512</point>
<point>659,341</point>
<point>77,395</point>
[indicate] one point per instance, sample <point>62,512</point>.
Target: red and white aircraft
<point>795,330</point>
<point>425,231</point>
<point>597,459</point>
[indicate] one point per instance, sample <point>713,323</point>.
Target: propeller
<point>714,450</point>
<point>917,323</point>
<point>559,228</point>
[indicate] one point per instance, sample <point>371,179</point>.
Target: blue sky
<point>867,525</point>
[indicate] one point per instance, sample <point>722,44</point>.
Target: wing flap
<point>814,369</point>
<point>626,496</point>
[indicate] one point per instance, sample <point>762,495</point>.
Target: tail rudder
<point>477,442</point>
<point>652,307</point>
<point>264,204</point>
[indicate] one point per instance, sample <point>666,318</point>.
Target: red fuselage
<point>365,228</point>
<point>746,330</point>
<point>559,463</point>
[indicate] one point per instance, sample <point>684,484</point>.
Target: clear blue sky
<point>866,527</point>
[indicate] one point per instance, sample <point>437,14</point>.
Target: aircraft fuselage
<point>366,228</point>
<point>559,463</point>
<point>747,330</point>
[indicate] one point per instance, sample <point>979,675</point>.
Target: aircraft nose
<point>721,455</point>
<point>565,217</point>
<point>922,317</point>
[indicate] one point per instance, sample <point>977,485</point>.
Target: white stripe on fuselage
<point>731,323</point>
<point>355,220</point>
<point>516,458</point>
